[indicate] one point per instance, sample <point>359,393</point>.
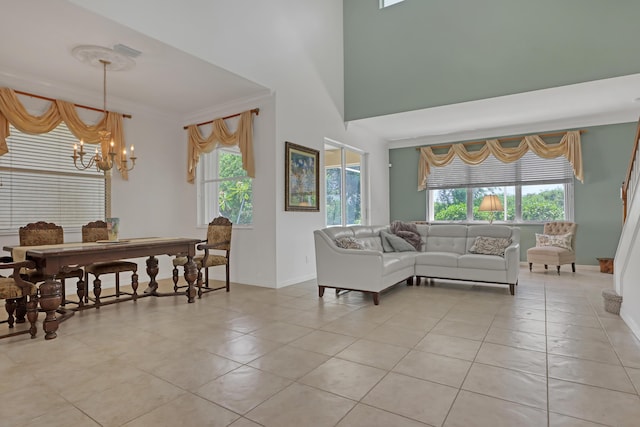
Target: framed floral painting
<point>302,178</point>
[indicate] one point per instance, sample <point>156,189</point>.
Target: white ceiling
<point>38,36</point>
<point>36,52</point>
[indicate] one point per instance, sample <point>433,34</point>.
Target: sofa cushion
<point>348,243</point>
<point>482,262</point>
<point>558,240</point>
<point>440,259</point>
<point>447,238</point>
<point>397,243</point>
<point>337,232</point>
<point>371,243</point>
<point>490,245</point>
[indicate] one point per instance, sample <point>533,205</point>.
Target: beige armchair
<point>552,253</point>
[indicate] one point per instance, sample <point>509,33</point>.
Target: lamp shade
<point>490,203</point>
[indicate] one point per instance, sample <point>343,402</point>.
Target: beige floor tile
<point>297,404</point>
<point>148,394</point>
<point>460,315</point>
<point>378,355</point>
<point>244,422</point>
<point>583,349</point>
<point>186,411</point>
<point>281,332</point>
<point>565,318</point>
<point>406,396</point>
<point>244,349</point>
<point>594,404</point>
<point>181,372</point>
<point>323,342</point>
<point>522,313</point>
<point>461,329</point>
<point>582,371</point>
<point>518,324</point>
<point>568,307</point>
<point>576,332</point>
<point>66,415</point>
<point>368,416</point>
<point>557,420</point>
<point>26,403</point>
<point>525,340</point>
<point>243,389</point>
<point>352,327</point>
<point>433,367</point>
<point>409,321</point>
<point>629,354</point>
<point>533,362</point>
<point>395,335</point>
<point>460,348</point>
<point>634,375</point>
<point>515,386</point>
<point>472,409</point>
<point>289,362</point>
<point>342,377</point>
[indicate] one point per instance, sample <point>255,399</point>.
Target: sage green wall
<point>598,208</point>
<point>419,54</point>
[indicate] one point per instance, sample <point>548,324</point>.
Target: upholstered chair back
<point>562,227</point>
<point>219,231</point>
<point>94,231</point>
<point>41,233</point>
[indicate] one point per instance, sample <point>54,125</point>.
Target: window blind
<point>529,169</point>
<point>40,182</point>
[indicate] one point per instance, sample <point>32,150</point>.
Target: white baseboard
<point>635,328</point>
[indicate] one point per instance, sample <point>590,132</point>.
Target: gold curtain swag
<point>242,137</point>
<point>13,112</point>
<point>569,147</point>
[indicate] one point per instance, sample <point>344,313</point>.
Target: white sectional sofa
<point>444,254</point>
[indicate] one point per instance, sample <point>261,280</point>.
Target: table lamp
<point>490,203</point>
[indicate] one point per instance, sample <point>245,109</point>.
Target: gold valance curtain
<point>242,137</point>
<point>13,112</point>
<point>569,147</point>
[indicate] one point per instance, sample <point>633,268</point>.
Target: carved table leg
<point>50,299</point>
<point>152,271</point>
<point>190,275</point>
<point>134,285</point>
<point>80,292</point>
<point>97,290</point>
<point>32,315</point>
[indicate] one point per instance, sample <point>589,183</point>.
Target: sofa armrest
<point>347,268</point>
<point>512,259</point>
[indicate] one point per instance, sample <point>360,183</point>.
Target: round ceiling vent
<point>93,55</point>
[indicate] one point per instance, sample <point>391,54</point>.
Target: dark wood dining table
<point>52,259</point>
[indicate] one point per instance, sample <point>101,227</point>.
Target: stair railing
<point>631,179</point>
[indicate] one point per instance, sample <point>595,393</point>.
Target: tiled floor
<point>449,355</point>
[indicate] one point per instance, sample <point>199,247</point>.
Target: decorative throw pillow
<point>489,245</point>
<point>386,246</point>
<point>558,240</point>
<point>348,243</point>
<point>397,242</point>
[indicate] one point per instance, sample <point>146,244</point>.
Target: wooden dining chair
<point>92,232</point>
<point>47,233</point>
<point>21,298</point>
<point>217,250</point>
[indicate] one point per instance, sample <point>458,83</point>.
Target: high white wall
<point>295,48</point>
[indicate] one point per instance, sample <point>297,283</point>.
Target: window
<point>531,189</point>
<point>343,183</point>
<point>387,3</point>
<point>40,182</point>
<point>225,189</point>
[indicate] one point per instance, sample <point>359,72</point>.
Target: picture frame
<point>302,178</point>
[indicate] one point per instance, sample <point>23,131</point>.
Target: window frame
<point>364,180</point>
<point>212,160</point>
<point>568,204</point>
